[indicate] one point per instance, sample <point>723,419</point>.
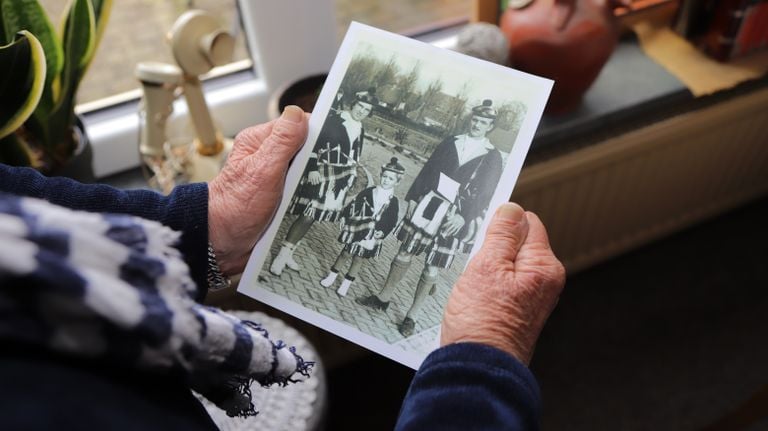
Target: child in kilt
<point>365,222</point>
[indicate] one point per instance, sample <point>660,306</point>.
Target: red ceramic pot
<point>567,41</point>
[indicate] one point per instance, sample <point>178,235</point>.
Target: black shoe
<point>407,327</point>
<point>373,302</point>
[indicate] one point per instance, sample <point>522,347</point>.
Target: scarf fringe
<point>239,403</point>
<point>106,274</point>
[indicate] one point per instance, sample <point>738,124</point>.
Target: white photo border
<point>249,284</point>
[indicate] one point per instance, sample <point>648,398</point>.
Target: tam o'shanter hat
<point>485,110</point>
<point>393,166</point>
<point>368,96</point>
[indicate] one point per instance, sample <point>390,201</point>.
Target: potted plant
<point>40,71</point>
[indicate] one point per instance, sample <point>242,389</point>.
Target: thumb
<point>288,133</point>
<point>506,232</point>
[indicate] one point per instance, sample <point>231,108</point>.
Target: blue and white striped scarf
<point>113,287</point>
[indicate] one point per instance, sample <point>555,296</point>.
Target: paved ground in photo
<point>319,250</point>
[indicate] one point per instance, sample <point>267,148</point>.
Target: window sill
<point>114,131</point>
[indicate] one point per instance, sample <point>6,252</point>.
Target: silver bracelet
<point>216,280</point>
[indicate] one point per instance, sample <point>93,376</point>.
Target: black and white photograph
<point>410,149</point>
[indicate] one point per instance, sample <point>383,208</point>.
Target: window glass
<point>401,16</point>
<point>136,32</point>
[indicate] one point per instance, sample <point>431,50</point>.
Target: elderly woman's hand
<point>243,198</point>
<point>508,289</point>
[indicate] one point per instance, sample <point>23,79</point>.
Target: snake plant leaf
<point>21,80</point>
<point>29,15</point>
<point>101,11</point>
<point>14,152</point>
<point>79,42</point>
<point>3,40</point>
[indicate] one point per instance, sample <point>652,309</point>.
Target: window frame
<point>113,125</point>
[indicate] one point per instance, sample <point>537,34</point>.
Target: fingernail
<point>292,113</point>
<point>511,211</point>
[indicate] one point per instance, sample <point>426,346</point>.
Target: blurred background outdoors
<point>137,28</point>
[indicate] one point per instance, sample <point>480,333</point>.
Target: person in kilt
<point>446,205</point>
<point>365,222</point>
<point>328,176</point>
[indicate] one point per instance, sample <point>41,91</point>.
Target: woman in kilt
<point>365,222</point>
<point>446,204</point>
<point>328,176</point>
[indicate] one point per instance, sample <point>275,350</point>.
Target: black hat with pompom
<point>368,96</point>
<point>394,166</point>
<point>485,110</point>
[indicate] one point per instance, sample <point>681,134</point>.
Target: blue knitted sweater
<point>460,386</point>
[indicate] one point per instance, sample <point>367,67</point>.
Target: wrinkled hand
<point>508,289</point>
<point>314,177</point>
<point>453,224</point>
<point>244,196</point>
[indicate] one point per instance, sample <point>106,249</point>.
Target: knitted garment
<point>113,287</point>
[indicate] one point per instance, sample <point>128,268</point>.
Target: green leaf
<point>29,15</point>
<point>3,39</point>
<point>78,37</point>
<point>101,11</point>
<point>21,80</point>
<point>14,152</point>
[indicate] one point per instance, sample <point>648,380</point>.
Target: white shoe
<point>290,261</point>
<point>280,261</point>
<point>329,279</point>
<point>292,264</point>
<point>344,287</point>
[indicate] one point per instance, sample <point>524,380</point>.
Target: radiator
<point>611,197</point>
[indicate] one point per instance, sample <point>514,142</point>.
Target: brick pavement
<point>319,250</point>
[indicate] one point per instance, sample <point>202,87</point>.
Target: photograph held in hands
<point>410,148</point>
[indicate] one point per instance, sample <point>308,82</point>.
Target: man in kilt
<point>446,204</point>
<point>328,176</point>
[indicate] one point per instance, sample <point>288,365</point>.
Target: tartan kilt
<point>321,201</point>
<point>356,250</point>
<point>356,230</point>
<point>440,250</point>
